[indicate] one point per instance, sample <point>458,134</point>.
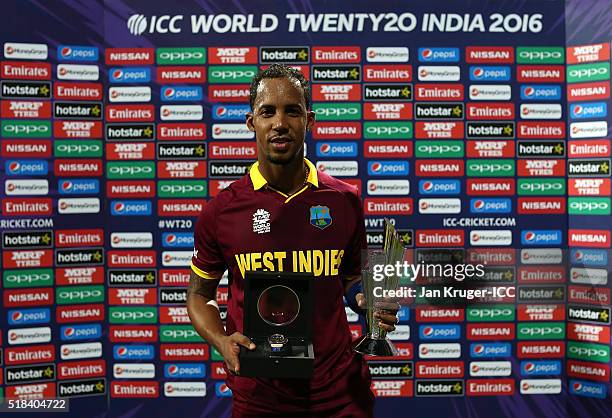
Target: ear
<point>310,120</point>
<point>249,121</point>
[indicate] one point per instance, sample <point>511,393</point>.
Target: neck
<point>287,178</point>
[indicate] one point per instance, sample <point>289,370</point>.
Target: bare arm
<point>206,321</point>
<point>204,318</point>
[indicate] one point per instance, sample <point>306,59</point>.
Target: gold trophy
<point>375,341</point>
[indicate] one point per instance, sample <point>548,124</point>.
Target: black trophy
<point>278,319</point>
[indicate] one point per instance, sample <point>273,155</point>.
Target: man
<point>283,206</point>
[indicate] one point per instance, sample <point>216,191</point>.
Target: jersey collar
<point>259,181</point>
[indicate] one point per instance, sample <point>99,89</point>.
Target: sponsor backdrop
<point>480,125</point>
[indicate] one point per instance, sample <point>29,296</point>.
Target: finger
<point>233,364</point>
<point>242,340</point>
<point>361,300</point>
<point>386,327</point>
<point>387,306</point>
<point>388,319</point>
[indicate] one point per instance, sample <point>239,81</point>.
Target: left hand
<point>386,311</point>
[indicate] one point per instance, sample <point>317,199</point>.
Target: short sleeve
<point>351,263</point>
<point>207,261</point>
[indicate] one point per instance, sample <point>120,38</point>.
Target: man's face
<point>280,120</point>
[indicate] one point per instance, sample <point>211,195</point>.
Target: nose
<point>280,122</point>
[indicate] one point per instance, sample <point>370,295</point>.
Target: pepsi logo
<point>325,148</point>
<point>172,370</point>
<point>14,167</point>
<point>118,74</point>
<point>577,110</point>
<point>578,255</point>
<point>529,367</point>
<point>17,316</point>
<point>122,351</point>
<point>171,239</point>
<point>223,388</point>
<point>530,236</point>
<point>68,332</point>
<point>479,349</point>
<point>169,93</point>
<point>66,186</point>
<point>426,53</point>
<point>428,331</point>
<point>119,207</point>
<point>529,91</point>
<point>221,111</point>
<point>577,386</point>
<point>479,204</point>
<point>428,186</point>
<point>66,51</point>
<point>376,167</point>
<point>478,72</point>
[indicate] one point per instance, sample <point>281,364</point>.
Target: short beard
<point>283,160</point>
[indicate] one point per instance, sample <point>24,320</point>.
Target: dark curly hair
<point>279,71</point>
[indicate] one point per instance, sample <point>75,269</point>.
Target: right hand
<point>230,348</point>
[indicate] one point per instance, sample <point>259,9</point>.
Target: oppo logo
<point>540,55</point>
<point>388,130</point>
<point>336,111</point>
<point>589,206</point>
<point>181,56</point>
<point>542,331</point>
<point>588,72</point>
<point>79,294</point>
<point>182,189</point>
<point>490,168</point>
<point>30,278</point>
<point>132,315</point>
<point>130,170</point>
<point>79,149</point>
<point>178,333</point>
<point>439,149</point>
<point>491,313</point>
<point>26,129</point>
<point>589,352</point>
<point>235,74</point>
<point>541,187</point>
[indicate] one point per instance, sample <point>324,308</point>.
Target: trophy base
<point>372,347</point>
